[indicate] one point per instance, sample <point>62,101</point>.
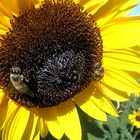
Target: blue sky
<point>136,11</point>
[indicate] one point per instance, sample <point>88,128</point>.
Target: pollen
<point>57,49</point>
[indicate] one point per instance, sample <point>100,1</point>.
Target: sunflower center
<point>50,54</point>
<point>138,118</point>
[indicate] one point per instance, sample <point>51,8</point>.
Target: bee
<point>98,72</point>
<point>17,80</point>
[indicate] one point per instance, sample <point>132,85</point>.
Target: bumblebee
<point>17,80</point>
<point>98,72</point>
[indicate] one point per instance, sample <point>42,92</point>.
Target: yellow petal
<point>114,94</point>
<point>123,57</point>
<point>69,120</point>
<point>10,108</point>
<point>104,103</point>
<point>10,5</point>
<point>108,11</point>
<point>3,111</point>
<point>108,7</point>
<point>53,125</point>
<point>38,3</point>
<point>6,128</point>
<point>43,128</point>
<point>2,32</point>
<point>87,105</point>
<point>127,8</point>
<point>16,6</point>
<point>131,51</point>
<point>36,134</point>
<point>135,75</point>
<point>31,126</point>
<point>37,137</point>
<point>130,79</point>
<point>92,6</point>
<point>0,134</point>
<point>25,5</point>
<point>120,80</point>
<point>122,34</point>
<point>18,124</point>
<point>1,95</point>
<point>5,11</point>
<point>92,110</point>
<point>120,64</point>
<point>125,60</point>
<point>5,21</point>
<point>3,28</point>
<point>82,2</point>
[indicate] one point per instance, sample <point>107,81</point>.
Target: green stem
<point>136,134</point>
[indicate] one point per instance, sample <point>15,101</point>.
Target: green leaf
<point>92,137</point>
<point>113,124</point>
<point>123,123</point>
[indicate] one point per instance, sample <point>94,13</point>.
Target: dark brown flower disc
<point>52,52</point>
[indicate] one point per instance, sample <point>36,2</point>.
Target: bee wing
<point>25,90</point>
<point>29,93</point>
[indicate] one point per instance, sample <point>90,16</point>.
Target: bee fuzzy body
<point>17,80</point>
<point>98,72</point>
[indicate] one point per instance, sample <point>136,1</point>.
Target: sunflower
<point>134,119</point>
<point>59,54</point>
